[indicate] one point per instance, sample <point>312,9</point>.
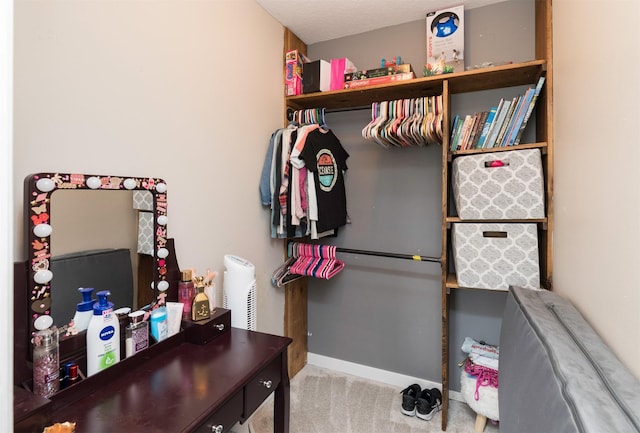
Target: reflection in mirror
<point>94,245</point>
<point>75,241</point>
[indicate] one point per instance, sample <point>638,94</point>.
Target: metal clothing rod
<point>392,255</point>
<point>384,254</point>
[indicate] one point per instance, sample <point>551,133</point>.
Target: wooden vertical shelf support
<point>295,298</point>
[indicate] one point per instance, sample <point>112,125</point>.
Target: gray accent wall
<point>385,312</point>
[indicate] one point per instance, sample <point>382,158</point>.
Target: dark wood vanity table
<point>206,378</point>
<point>177,386</point>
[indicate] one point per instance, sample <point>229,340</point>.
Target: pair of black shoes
<point>423,403</point>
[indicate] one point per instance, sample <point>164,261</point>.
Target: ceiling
<point>322,20</point>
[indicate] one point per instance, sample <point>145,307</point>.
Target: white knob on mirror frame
<point>162,220</point>
<point>94,182</point>
<point>163,253</point>
<point>161,187</point>
<point>45,184</point>
<point>129,183</point>
<point>43,322</point>
<point>43,276</point>
<point>42,230</point>
<point>163,285</point>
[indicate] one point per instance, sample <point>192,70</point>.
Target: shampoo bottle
<point>84,310</point>
<point>103,336</point>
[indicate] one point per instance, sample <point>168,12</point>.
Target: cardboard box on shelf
<point>365,82</point>
<point>294,61</point>
<point>445,41</point>
<point>378,72</point>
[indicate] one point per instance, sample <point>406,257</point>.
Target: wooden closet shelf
<point>452,283</point>
<point>517,74</point>
<point>542,146</point>
<point>455,219</point>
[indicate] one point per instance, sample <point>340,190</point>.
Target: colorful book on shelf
<point>507,121</point>
<point>519,117</point>
<point>475,131</point>
<point>378,80</point>
<point>466,131</point>
<point>481,124</point>
<point>486,127</point>
<point>497,123</point>
<point>454,130</point>
<point>529,110</point>
<point>456,133</point>
<point>463,130</point>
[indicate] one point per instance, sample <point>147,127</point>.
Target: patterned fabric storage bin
<point>501,185</point>
<point>496,256</point>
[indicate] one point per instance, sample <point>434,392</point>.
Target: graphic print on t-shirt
<point>327,169</point>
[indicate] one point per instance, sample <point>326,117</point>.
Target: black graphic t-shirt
<point>324,155</point>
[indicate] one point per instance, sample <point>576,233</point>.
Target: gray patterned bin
<point>501,185</point>
<point>496,256</point>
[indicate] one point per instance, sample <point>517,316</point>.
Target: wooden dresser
<point>174,386</point>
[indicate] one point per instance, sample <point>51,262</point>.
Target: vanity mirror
<point>46,196</point>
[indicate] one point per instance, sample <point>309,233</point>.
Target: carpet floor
<point>325,401</point>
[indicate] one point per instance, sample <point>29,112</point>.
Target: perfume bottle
<point>137,333</point>
<point>46,367</point>
<point>186,292</point>
<point>200,305</point>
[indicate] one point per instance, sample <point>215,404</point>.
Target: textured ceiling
<point>322,20</point>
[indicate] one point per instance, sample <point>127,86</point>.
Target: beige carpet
<point>323,401</point>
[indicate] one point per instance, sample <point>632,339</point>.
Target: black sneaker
<point>429,402</point>
<point>410,399</point>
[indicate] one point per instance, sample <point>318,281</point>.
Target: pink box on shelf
<point>339,67</point>
<point>293,72</point>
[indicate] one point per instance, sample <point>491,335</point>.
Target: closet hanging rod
<point>417,258</point>
<point>290,110</point>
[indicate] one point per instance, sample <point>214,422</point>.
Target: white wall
<point>6,221</point>
<point>189,91</point>
<point>597,160</point>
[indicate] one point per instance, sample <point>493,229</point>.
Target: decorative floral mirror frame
<point>38,190</point>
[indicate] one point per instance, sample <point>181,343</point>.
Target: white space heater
<point>239,292</point>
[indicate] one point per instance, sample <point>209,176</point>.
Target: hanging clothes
<point>302,178</point>
<point>325,157</point>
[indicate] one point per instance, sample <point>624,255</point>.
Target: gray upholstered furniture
<point>557,375</point>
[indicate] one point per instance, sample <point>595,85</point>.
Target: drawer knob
<point>219,327</point>
<point>217,428</point>
<point>266,383</point>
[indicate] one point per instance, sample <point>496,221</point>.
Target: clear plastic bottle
<point>137,333</point>
<point>46,361</point>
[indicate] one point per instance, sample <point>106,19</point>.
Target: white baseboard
<point>377,374</point>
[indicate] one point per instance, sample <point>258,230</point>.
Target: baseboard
<point>376,374</point>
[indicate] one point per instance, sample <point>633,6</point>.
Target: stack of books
<point>503,125</point>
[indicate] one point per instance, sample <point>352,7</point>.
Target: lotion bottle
<point>84,309</point>
<point>103,336</point>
